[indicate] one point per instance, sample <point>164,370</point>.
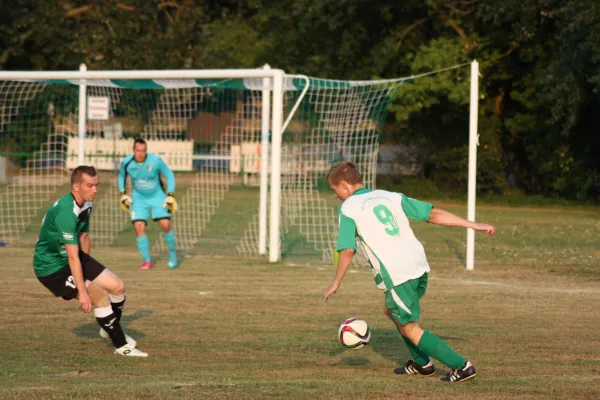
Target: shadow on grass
<point>181,258</point>
<point>389,344</point>
<point>385,342</point>
<point>90,331</point>
<point>457,253</point>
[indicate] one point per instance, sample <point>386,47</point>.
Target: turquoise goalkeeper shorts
<point>142,206</point>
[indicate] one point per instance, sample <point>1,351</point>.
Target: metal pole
<point>144,74</point>
<point>81,121</point>
<point>274,243</point>
<point>264,164</point>
<point>473,143</point>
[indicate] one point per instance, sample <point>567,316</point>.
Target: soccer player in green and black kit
<point>62,261</point>
<point>398,261</point>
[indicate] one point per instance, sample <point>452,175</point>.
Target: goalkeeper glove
<point>170,203</point>
<point>125,201</point>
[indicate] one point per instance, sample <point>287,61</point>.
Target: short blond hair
<point>343,171</point>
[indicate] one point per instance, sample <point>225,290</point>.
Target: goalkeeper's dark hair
<point>77,174</point>
<point>343,171</point>
<point>140,141</point>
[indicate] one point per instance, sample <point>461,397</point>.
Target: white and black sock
<point>110,323</point>
<point>117,302</point>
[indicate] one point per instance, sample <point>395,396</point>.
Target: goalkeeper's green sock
<point>435,347</point>
<point>143,246</point>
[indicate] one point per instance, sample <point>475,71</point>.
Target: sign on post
<point>98,108</point>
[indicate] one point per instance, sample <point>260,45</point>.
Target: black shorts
<point>62,284</point>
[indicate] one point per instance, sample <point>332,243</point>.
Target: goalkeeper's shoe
<point>467,371</point>
<point>173,261</point>
<point>129,350</point>
<point>146,265</point>
<point>412,368</point>
<point>131,341</point>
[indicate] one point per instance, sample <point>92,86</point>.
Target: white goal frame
<point>272,81</point>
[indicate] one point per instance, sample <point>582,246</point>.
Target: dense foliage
<point>540,66</point>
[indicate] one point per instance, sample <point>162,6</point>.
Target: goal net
<point>209,132</point>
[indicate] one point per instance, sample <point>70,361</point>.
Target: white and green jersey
<point>380,219</point>
<point>62,224</point>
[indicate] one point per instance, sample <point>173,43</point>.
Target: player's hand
<point>125,202</point>
<point>332,289</point>
<point>489,229</point>
<point>85,302</point>
<point>170,203</point>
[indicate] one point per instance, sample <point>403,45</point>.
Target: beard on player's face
<point>88,188</point>
<point>90,196</point>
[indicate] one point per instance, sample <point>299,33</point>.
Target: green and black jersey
<point>62,224</point>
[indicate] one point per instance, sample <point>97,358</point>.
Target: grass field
<point>227,328</point>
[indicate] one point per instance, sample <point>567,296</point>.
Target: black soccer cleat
<point>413,368</point>
<point>467,371</point>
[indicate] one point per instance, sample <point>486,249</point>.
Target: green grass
<point>228,328</point>
<point>421,188</point>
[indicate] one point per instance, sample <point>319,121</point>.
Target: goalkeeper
<point>148,195</point>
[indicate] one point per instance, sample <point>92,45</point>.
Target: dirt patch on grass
<point>77,374</point>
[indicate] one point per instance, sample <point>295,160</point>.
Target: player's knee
<point>165,225</point>
<point>140,228</point>
<point>119,287</point>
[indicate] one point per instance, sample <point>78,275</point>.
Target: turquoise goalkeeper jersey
<point>145,176</point>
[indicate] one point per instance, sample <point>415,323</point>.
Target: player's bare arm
<point>75,265</point>
<point>85,243</point>
<point>445,218</point>
<point>344,261</point>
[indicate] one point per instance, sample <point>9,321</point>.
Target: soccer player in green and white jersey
<point>62,261</point>
<point>380,219</point>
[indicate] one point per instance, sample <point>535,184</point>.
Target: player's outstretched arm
<point>85,302</point>
<point>445,218</point>
<point>344,261</point>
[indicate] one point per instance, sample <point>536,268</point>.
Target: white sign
<point>98,108</point>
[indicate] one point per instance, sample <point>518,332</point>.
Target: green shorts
<point>403,300</point>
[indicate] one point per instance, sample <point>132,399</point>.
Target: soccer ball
<point>354,333</point>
